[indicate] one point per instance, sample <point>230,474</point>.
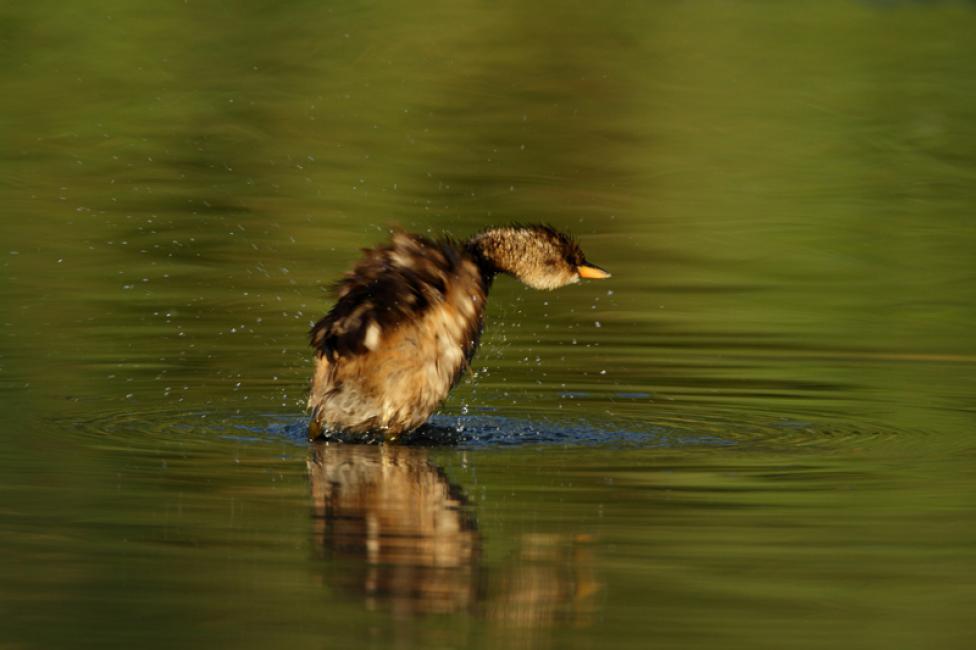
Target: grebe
<point>408,319</point>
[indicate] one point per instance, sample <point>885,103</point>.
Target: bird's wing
<point>391,285</point>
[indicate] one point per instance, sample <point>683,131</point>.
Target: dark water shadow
<point>482,431</point>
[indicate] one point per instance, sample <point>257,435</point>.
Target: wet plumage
<point>408,319</point>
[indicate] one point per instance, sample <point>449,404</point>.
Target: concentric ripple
<point>667,428</point>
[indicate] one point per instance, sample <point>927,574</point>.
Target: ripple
<point>490,431</point>
<point>150,428</point>
<point>670,428</point>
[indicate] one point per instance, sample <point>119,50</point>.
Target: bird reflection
<point>399,533</point>
<point>390,506</point>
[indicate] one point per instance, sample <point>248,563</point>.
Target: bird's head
<point>540,256</point>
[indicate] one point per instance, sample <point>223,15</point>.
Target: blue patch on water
<point>251,439</point>
<point>483,431</point>
<point>670,428</point>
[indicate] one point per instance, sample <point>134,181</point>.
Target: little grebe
<point>408,320</point>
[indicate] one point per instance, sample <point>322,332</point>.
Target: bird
<point>407,322</point>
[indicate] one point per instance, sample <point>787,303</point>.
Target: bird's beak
<point>592,272</point>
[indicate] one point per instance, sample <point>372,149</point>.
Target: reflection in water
<point>408,540</point>
<point>551,580</point>
<point>390,506</point>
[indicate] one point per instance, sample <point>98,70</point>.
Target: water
<point>758,433</point>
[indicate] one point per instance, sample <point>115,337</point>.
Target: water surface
<point>758,433</point>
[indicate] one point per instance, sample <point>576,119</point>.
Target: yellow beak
<point>591,272</point>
